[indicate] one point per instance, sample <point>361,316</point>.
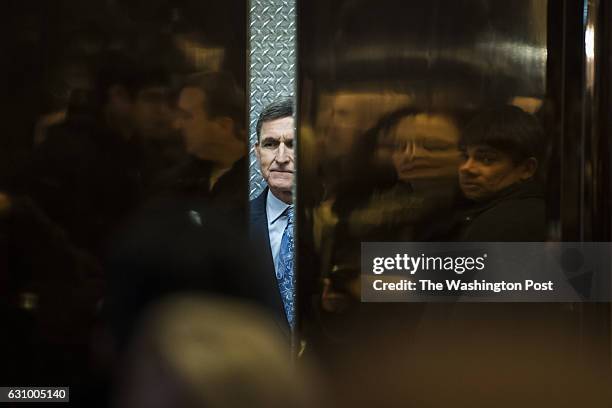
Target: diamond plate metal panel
<point>271,65</point>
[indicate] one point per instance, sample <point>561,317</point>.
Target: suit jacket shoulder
<point>258,220</point>
<point>517,216</point>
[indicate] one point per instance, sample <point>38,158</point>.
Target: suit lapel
<point>259,228</point>
<point>260,237</point>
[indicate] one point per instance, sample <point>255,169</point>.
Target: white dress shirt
<point>277,221</point>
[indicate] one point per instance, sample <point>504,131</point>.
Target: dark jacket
<point>190,180</point>
<point>260,238</point>
<point>515,214</point>
<point>176,245</point>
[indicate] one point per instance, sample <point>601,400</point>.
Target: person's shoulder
<point>515,219</point>
<point>522,201</point>
<point>519,208</point>
<point>257,205</point>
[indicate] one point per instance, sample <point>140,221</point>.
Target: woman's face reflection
<point>422,146</point>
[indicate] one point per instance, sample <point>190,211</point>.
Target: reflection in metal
<point>95,129</point>
<point>590,132</point>
<point>509,58</point>
<point>272,66</point>
<point>361,63</point>
<point>202,58</point>
<point>366,180</point>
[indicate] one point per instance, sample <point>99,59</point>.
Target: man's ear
<point>257,151</point>
<point>530,166</point>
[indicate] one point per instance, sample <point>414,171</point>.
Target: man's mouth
<point>468,183</point>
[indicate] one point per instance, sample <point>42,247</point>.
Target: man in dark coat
<point>269,217</point>
<point>515,214</point>
<point>502,152</point>
<point>211,120</point>
<point>502,148</point>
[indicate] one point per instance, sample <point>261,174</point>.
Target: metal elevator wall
<point>359,61</point>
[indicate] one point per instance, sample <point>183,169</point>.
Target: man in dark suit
<point>271,213</point>
<point>210,117</point>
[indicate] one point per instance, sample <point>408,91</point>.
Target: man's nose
<point>467,167</point>
<point>282,154</point>
<point>412,150</point>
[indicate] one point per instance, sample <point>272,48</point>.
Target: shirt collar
<point>274,207</point>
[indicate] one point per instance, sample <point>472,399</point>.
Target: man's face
<point>348,113</point>
<point>275,154</point>
<point>485,170</point>
<point>193,121</point>
<point>421,147</point>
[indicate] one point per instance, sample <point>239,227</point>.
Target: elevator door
<point>440,64</point>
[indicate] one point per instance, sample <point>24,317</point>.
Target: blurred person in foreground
<point>502,148</point>
<point>193,351</point>
<point>167,249</point>
<point>501,362</point>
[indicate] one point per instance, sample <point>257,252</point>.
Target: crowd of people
<point>418,174</point>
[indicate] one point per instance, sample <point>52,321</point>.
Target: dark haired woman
<point>404,176</point>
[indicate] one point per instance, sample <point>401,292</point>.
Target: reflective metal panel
<point>124,137</point>
<point>392,98</point>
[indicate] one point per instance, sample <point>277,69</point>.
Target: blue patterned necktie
<point>284,269</point>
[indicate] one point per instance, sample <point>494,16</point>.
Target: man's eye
<point>270,145</point>
<point>289,144</point>
<point>487,159</point>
